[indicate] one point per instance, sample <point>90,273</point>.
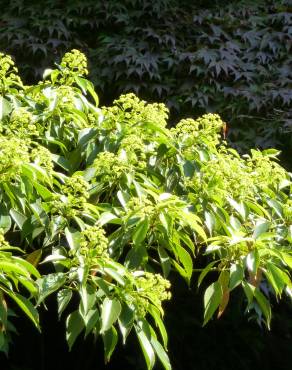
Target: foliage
<point>228,57</point>
<point>106,203</point>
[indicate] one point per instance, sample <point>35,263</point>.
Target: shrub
<point>98,206</point>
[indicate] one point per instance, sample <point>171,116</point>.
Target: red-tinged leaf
<point>224,302</point>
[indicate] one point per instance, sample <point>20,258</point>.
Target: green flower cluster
<point>94,119</point>
<point>14,152</point>
<point>94,243</point>
<point>223,174</point>
<point>109,166</point>
<point>76,186</point>
<point>156,112</point>
<point>130,104</point>
<point>147,288</point>
<point>42,157</point>
<point>264,170</point>
<point>22,124</point>
<point>202,131</point>
<point>8,74</point>
<point>130,110</point>
<point>73,63</point>
<point>143,207</point>
<point>74,200</point>
<point>287,210</point>
<point>111,117</point>
<point>133,149</point>
<point>66,97</point>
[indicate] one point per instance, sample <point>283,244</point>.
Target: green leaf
<point>63,298</point>
<point>116,275</point>
<point>26,306</point>
<point>210,221</point>
<point>186,260</point>
<point>146,346</point>
<point>108,217</point>
<point>249,291</point>
<point>5,107</point>
<point>260,228</point>
<point>240,207</point>
<point>110,312</point>
<point>73,238</point>
<point>18,217</point>
<point>49,284</point>
<point>91,321</point>
<point>136,257</point>
<point>258,209</point>
<point>189,168</point>
<point>123,198</point>
<point>74,326</point>
<point>38,172</point>
<point>29,285</point>
<point>289,234</point>
<point>62,162</point>
<point>186,239</point>
<point>276,206</point>
<point>205,271</point>
<point>86,135</point>
<point>27,265</point>
<point>43,191</point>
<point>212,299</point>
<point>192,221</point>
<point>126,321</point>
<point>47,72</point>
<point>277,277</point>
<point>287,258</point>
<point>140,231</point>
<point>253,261</point>
<point>5,223</point>
<point>110,340</point>
<point>9,266</point>
<point>164,260</point>
<point>86,85</point>
<point>156,314</point>
<point>167,222</point>
<point>88,298</point>
<point>161,353</point>
<point>264,305</point>
<point>236,275</point>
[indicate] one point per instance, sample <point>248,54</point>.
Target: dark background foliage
<point>230,57</point>
<point>225,344</point>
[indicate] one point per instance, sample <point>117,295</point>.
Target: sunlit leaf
<point>110,312</point>
<point>212,299</point>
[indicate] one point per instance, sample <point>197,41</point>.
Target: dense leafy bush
<point>99,206</point>
<point>227,57</point>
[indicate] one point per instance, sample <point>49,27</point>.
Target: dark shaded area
<point>225,344</point>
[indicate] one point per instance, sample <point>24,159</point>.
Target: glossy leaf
<point>110,339</point>
<point>74,326</point>
<point>49,284</point>
<point>110,312</point>
<point>212,299</point>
